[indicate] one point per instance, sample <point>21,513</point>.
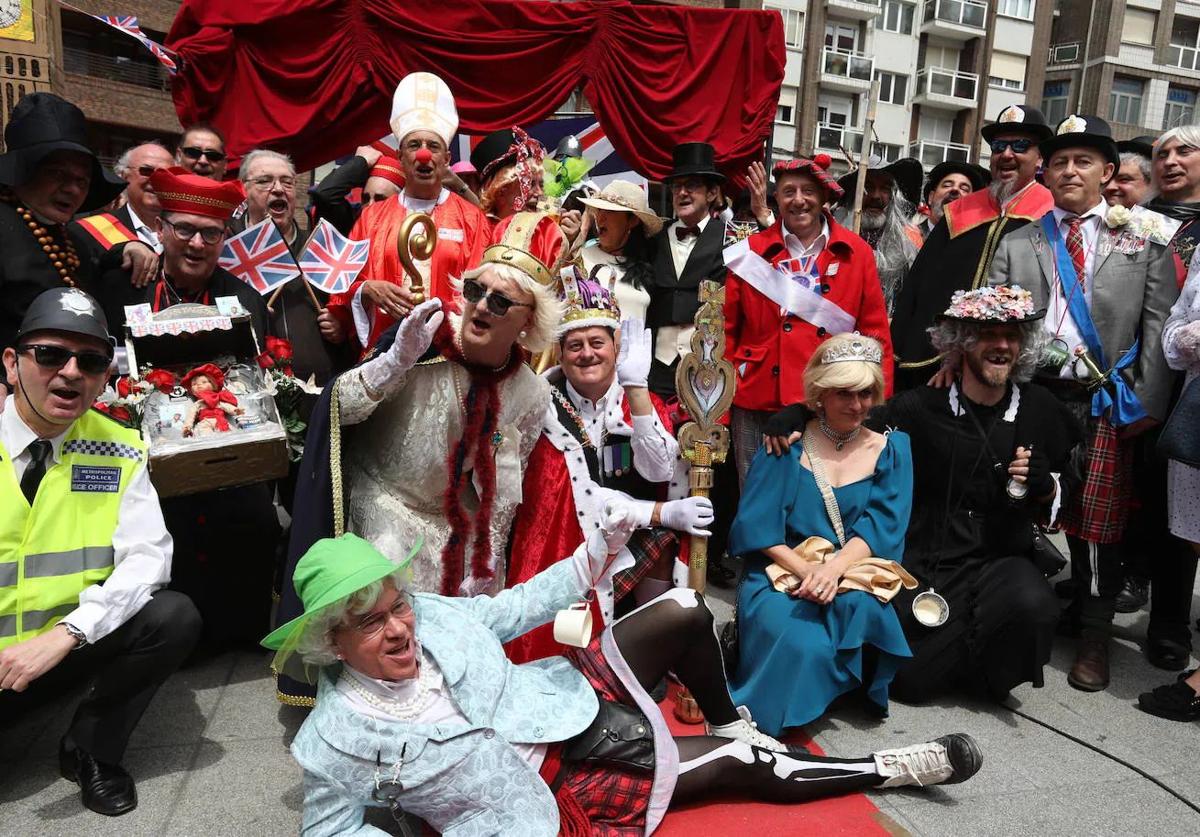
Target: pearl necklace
<point>840,440</point>
<point>405,710</point>
<point>62,256</point>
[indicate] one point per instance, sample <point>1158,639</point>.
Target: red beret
<point>389,169</point>
<point>179,190</point>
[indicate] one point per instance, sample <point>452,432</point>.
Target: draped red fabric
<point>314,78</point>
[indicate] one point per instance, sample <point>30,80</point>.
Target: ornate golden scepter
<point>412,245</point>
<point>705,383</point>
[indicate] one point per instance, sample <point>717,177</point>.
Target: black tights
<point>675,633</point>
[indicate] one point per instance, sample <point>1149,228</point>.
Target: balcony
<point>834,138</point>
<point>932,152</point>
<point>1187,57</point>
<point>955,20</point>
<point>853,9</point>
<point>842,69</point>
<point>946,88</point>
<point>114,68</point>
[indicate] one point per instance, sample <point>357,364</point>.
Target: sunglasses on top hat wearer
<point>497,303</point>
<point>1019,146</point>
<point>56,357</point>
<point>210,154</point>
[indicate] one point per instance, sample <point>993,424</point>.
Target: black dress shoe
<point>1167,655</point>
<point>1176,701</point>
<point>106,788</point>
<point>1134,595</point>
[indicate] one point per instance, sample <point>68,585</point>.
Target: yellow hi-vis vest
<point>51,552</point>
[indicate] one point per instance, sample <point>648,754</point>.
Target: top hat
<point>978,175</point>
<point>41,124</point>
<point>907,172</point>
<point>1081,130</point>
<point>694,159</point>
<point>1018,118</point>
<point>494,146</point>
<point>1143,145</point>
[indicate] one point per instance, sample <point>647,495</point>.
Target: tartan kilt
<point>1099,510</point>
<point>648,547</point>
<point>614,799</point>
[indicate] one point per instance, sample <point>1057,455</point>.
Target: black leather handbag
<point>619,735</point>
<point>1180,437</point>
<point>1045,555</point>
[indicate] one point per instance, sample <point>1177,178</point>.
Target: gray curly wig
<point>952,337</point>
<point>317,647</point>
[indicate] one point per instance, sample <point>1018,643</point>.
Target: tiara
<point>859,350</point>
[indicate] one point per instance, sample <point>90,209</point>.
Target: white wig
<point>547,308</point>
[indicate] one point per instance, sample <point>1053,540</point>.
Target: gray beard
<point>1002,190</point>
<point>872,219</point>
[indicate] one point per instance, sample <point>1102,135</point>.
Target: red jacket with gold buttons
<point>769,349</point>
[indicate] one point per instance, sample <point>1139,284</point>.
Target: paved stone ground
<point>211,757</point>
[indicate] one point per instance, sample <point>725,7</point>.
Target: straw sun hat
<point>623,196</point>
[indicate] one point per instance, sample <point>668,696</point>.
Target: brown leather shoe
<point>1090,672</point>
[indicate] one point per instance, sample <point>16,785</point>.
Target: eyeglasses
<point>688,184</point>
<point>210,154</point>
<point>497,303</point>
<point>266,182</point>
<point>146,171</point>
<point>56,357</point>
<point>1018,146</point>
<point>185,232</point>
<point>373,624</point>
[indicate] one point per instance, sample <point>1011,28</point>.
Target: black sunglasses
<point>146,171</point>
<point>1019,146</point>
<point>497,303</point>
<point>56,357</point>
<point>210,154</point>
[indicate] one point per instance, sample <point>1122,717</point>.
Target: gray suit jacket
<point>1132,294</point>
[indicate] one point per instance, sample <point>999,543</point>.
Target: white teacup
<point>930,609</point>
<point>573,626</point>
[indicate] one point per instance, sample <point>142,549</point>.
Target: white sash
<point>798,301</point>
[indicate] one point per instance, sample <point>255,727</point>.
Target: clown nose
<point>423,156</point>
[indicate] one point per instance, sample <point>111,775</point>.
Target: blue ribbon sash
<point>1121,402</point>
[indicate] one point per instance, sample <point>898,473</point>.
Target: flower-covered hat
<point>588,304</point>
<point>817,167</point>
<point>1003,304</point>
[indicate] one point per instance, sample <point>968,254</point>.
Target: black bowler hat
<point>1143,145</point>
<point>41,124</point>
<point>907,172</point>
<point>978,175</point>
<point>1082,130</point>
<point>67,310</point>
<point>695,159</point>
<point>1018,118</point>
<point>495,146</point>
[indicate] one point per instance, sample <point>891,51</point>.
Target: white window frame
<point>1122,104</point>
<point>881,22</point>
<point>1179,113</point>
<point>1003,9</point>
<point>887,87</point>
<point>790,17</point>
<point>785,114</point>
<point>1005,83</point>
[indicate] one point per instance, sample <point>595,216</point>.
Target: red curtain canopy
<point>314,78</point>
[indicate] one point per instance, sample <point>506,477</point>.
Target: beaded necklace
<point>423,697</point>
<point>62,253</point>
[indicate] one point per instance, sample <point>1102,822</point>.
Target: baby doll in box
<point>209,413</point>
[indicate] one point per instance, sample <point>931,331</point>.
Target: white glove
<point>413,338</point>
<point>633,361</point>
<point>691,515</point>
<point>616,525</point>
<point>1187,341</point>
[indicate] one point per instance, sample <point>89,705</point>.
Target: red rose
<point>279,349</point>
<point>265,361</point>
<point>162,380</point>
<point>120,414</point>
<point>124,388</point>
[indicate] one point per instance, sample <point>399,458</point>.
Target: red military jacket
<point>769,349</point>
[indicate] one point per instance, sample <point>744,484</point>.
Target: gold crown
<point>859,350</point>
<point>514,248</point>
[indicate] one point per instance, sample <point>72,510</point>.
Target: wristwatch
<point>80,637</point>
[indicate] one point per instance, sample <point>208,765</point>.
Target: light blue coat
<point>463,782</point>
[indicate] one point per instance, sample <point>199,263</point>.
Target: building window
<point>886,152</point>
<point>1064,53</point>
<point>1054,101</point>
<point>1125,100</point>
<point>783,115</point>
<point>1005,83</point>
<point>1185,37</point>
<point>897,17</point>
<point>893,87</point>
<point>1138,26</point>
<point>1022,9</point>
<point>793,25</point>
<point>1007,71</point>
<point>1181,107</point>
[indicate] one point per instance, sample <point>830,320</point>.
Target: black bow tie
<point>684,233</point>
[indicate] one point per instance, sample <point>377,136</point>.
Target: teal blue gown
<point>798,656</point>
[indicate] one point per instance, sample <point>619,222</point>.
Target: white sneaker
<point>745,730</point>
<point>947,760</point>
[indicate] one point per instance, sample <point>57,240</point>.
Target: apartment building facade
<point>945,67</point>
<point>1134,62</point>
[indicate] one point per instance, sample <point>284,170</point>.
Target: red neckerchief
<point>481,411</point>
<point>161,299</point>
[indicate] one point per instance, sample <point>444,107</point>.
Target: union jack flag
<point>331,261</point>
<point>259,257</point>
<point>129,25</point>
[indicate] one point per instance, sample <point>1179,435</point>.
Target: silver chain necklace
<point>839,439</point>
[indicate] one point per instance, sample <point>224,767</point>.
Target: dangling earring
<point>522,335</point>
<point>818,405</point>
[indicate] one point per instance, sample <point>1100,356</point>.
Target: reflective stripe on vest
<point>52,552</point>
